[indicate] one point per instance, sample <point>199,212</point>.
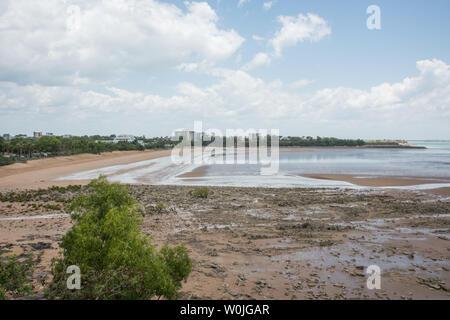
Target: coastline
<point>255,242</point>
<point>42,173</point>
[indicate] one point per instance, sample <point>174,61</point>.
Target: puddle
<point>353,255</point>
<point>46,216</point>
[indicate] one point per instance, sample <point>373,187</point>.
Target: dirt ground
<point>257,243</point>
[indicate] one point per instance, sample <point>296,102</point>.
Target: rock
<point>41,245</point>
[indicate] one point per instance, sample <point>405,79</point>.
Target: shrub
<point>156,208</point>
<point>201,192</point>
<point>15,275</point>
<point>116,261</point>
<point>54,207</point>
<point>2,293</point>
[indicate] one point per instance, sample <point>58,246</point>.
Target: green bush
<point>115,259</point>
<point>157,208</point>
<point>15,275</point>
<point>6,161</point>
<point>2,293</point>
<point>53,207</point>
<point>201,192</point>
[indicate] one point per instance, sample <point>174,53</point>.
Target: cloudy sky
<point>149,67</point>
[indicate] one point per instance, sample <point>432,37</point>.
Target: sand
<point>385,181</point>
<point>43,172</point>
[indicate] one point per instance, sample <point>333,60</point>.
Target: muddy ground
<point>257,243</point>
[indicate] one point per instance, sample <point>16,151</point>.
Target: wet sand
<point>260,243</point>
<point>43,172</point>
<point>386,181</point>
<point>196,173</point>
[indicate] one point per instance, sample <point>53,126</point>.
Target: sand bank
<point>385,181</point>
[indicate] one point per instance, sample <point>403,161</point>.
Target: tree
<point>115,259</point>
<point>16,275</point>
<point>2,145</point>
<point>48,144</point>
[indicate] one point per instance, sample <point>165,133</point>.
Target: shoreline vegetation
<point>117,260</point>
<point>22,149</point>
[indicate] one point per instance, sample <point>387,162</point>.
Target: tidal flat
<point>263,243</point>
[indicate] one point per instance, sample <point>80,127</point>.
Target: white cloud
<point>237,95</point>
<point>260,59</point>
<point>294,30</point>
<point>106,39</point>
<point>242,2</point>
<point>268,5</point>
<point>257,38</point>
<point>298,29</point>
<point>301,83</point>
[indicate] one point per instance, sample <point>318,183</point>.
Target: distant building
<point>48,134</point>
<point>6,137</point>
<point>124,138</point>
<point>20,136</point>
<point>37,135</point>
<point>67,136</point>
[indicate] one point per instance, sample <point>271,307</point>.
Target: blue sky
<point>150,67</point>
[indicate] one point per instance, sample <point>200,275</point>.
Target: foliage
<point>5,161</point>
<point>115,259</point>
<point>157,208</point>
<point>320,142</point>
<point>201,192</point>
<point>23,148</point>
<point>15,275</point>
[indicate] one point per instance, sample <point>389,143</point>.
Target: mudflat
<point>261,243</point>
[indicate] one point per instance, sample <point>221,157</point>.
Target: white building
<point>124,138</point>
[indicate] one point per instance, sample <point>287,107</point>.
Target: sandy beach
<point>43,172</point>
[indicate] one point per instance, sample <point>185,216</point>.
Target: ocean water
<point>431,162</point>
<point>435,144</point>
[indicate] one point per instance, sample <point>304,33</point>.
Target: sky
<point>147,67</point>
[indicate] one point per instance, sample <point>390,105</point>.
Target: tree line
<point>22,148</point>
<point>320,142</point>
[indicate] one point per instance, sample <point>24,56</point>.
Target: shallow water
<point>432,162</point>
<point>45,216</point>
